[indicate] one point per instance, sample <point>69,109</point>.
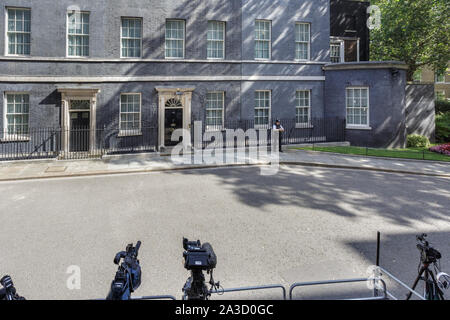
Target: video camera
<point>428,254</point>
<point>198,256</point>
<point>128,276</point>
<point>8,292</point>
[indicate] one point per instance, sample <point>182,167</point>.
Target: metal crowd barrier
<point>318,283</point>
<point>254,288</point>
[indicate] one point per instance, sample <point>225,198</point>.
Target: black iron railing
<point>83,143</point>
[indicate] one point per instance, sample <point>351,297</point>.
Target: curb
<point>376,157</point>
<point>199,167</point>
<point>324,165</point>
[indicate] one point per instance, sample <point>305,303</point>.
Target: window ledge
<point>262,127</point>
<point>129,134</point>
<point>303,126</point>
<point>358,128</point>
<point>219,129</point>
<point>15,139</point>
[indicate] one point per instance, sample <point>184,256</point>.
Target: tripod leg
<point>422,270</point>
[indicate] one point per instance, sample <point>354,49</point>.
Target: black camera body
<point>128,275</point>
<point>428,254</point>
<point>198,256</point>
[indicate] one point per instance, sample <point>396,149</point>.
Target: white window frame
<point>223,23</point>
<point>130,132</point>
<point>121,37</point>
<point>88,35</point>
<point>184,39</point>
<point>221,127</point>
<point>341,45</point>
<point>307,42</point>
<point>6,32</point>
<point>357,126</point>
<point>269,41</point>
<point>269,120</point>
<point>6,135</point>
<point>307,123</point>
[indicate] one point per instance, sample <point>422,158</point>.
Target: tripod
<point>429,256</point>
<point>433,292</point>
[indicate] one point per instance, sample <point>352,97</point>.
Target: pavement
<point>38,169</point>
<point>303,224</point>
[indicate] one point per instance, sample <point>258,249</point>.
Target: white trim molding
<point>145,60</point>
<point>68,94</point>
<point>103,79</point>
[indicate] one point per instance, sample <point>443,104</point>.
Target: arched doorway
<point>174,113</point>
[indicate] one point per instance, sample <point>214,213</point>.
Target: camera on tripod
<point>428,254</point>
<point>198,256</point>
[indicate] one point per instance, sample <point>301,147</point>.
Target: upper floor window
<point>78,34</point>
<point>262,108</point>
<point>358,107</point>
<point>263,39</point>
<point>302,41</point>
<point>175,32</point>
<point>130,114</point>
<point>303,106</point>
<point>216,40</point>
<point>336,52</point>
<point>17,114</point>
<point>214,110</point>
<point>131,38</point>
<point>19,31</point>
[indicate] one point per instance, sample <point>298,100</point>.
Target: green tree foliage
<point>414,31</point>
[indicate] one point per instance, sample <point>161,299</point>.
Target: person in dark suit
<point>279,128</point>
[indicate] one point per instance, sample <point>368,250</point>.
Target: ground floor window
<point>358,106</point>
<point>17,113</point>
<point>214,109</point>
<point>262,108</point>
<point>130,113</point>
<point>303,106</point>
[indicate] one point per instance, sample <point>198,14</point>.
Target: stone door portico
<point>68,96</point>
<point>176,98</point>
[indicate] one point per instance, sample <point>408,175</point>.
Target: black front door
<point>79,131</point>
<point>174,121</point>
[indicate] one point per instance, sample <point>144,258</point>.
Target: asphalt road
<point>303,224</point>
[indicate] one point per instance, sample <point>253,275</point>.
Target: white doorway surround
<point>181,95</point>
<point>77,94</point>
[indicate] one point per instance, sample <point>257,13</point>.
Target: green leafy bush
<point>443,127</point>
<point>416,141</point>
<point>442,106</point>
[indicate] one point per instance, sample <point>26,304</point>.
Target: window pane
<point>131,37</point>
<point>262,39</point>
<point>358,106</point>
<point>78,34</point>
<point>174,39</point>
<point>130,111</point>
<point>302,39</point>
<point>17,113</point>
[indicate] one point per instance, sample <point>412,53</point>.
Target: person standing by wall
<point>277,127</point>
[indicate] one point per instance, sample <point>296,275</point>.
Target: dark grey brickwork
<point>420,110</point>
<point>387,104</point>
<point>48,58</point>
